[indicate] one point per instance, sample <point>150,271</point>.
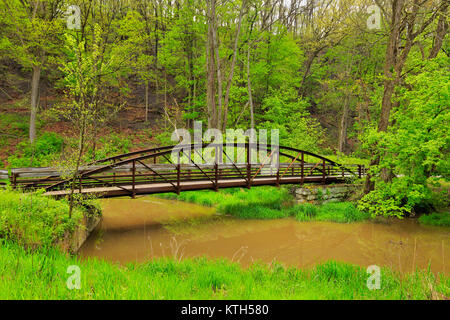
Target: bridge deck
<point>190,185</point>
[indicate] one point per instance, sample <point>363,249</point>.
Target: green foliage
<point>304,212</point>
<point>287,113</point>
<point>396,198</point>
<point>39,154</point>
<point>42,274</point>
<point>32,220</point>
<point>112,144</point>
<point>341,212</point>
<point>436,219</point>
<point>415,147</point>
<point>14,123</point>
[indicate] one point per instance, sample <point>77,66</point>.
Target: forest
<point>356,81</point>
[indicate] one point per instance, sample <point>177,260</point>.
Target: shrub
<point>39,154</point>
<point>110,145</point>
<point>397,198</point>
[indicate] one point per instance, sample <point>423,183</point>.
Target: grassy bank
<point>269,203</point>
<point>342,212</point>
<point>33,220</point>
<point>43,275</point>
<point>441,219</point>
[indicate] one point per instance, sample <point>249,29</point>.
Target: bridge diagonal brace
<point>268,156</point>
<point>311,171</point>
<point>204,173</point>
<point>298,154</point>
<point>158,174</point>
<point>165,157</point>
<point>234,165</point>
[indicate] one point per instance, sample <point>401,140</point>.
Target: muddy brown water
<point>145,228</point>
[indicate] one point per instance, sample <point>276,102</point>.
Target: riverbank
<point>35,221</point>
<point>33,266</point>
<point>42,274</point>
<point>277,203</point>
<point>270,203</point>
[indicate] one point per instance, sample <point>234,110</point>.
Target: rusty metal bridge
<point>153,170</point>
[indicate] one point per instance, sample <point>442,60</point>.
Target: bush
<point>397,198</point>
<point>39,154</point>
<point>109,146</point>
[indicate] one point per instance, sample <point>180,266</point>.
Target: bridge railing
<point>138,168</point>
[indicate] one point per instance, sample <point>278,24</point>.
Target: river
<point>149,227</point>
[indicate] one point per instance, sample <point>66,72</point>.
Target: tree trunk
<point>249,87</point>
<point>34,100</point>
<point>343,126</point>
<point>219,74</point>
<point>233,63</point>
<point>390,79</point>
<point>210,70</point>
<point>441,31</point>
<point>77,167</point>
<point>146,101</point>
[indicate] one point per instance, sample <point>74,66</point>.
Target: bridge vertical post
<point>14,180</point>
<point>114,172</point>
<point>343,173</point>
<point>323,171</point>
<point>216,178</point>
<point>190,162</point>
<point>79,186</point>
<point>249,167</point>
<point>359,171</point>
<point>178,178</point>
<point>278,176</point>
<point>134,179</point>
<point>302,172</point>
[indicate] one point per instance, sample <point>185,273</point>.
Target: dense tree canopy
<point>315,69</point>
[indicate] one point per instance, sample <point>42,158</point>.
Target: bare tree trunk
<point>233,63</point>
<point>249,87</point>
<point>219,74</point>
<point>343,126</point>
<point>146,101</point>
<point>441,31</point>
<point>35,80</point>
<point>77,167</point>
<point>210,70</point>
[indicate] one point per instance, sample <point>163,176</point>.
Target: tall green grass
<point>342,212</point>
<point>441,219</point>
<point>43,274</point>
<point>33,220</point>
<point>270,203</point>
<point>255,203</point>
